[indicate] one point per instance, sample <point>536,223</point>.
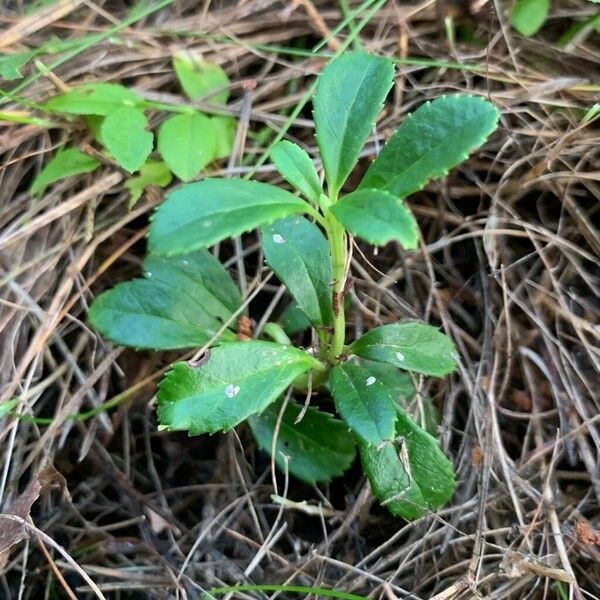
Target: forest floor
<point>105,505</point>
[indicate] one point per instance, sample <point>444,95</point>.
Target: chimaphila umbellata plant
<point>187,299</point>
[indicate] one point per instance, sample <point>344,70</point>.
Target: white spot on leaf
<point>185,262</point>
<point>400,356</point>
<point>148,274</point>
<point>278,239</point>
<point>232,390</point>
<point>371,380</point>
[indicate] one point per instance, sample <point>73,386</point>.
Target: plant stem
<point>337,246</point>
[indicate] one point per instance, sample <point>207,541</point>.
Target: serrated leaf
<point>125,137</point>
<point>179,305</point>
<point>298,252</point>
<point>200,214</point>
<point>377,217</point>
<point>317,448</point>
<point>297,169</point>
<point>65,163</point>
<point>430,141</point>
<point>235,381</point>
<point>152,172</point>
<point>293,320</point>
<point>350,94</point>
<point>412,346</point>
<point>410,475</point>
<point>200,275</point>
<point>199,78</point>
<point>363,402</point>
<point>224,128</point>
<point>94,99</point>
<point>528,16</point>
<point>188,143</point>
<point>399,384</point>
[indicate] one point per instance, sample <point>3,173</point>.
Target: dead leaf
<point>158,523</point>
<point>12,532</point>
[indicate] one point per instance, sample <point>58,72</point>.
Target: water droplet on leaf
<point>232,390</point>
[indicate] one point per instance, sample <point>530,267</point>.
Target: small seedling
<point>116,116</point>
<point>187,299</point>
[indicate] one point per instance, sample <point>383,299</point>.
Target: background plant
<point>187,299</point>
<point>117,117</point>
<point>529,16</point>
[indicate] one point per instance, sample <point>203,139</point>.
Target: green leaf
<point>94,99</point>
<point>152,172</point>
<point>179,305</point>
<point>399,384</point>
<point>317,448</point>
<point>298,252</point>
<point>412,346</point>
<point>188,143</point>
<point>377,217</point>
<point>125,137</point>
<point>203,213</point>
<point>200,79</point>
<point>293,320</point>
<point>363,402</point>
<point>430,141</point>
<point>528,16</point>
<point>350,94</point>
<point>410,475</point>
<point>224,130</point>
<point>11,64</point>
<point>200,275</point>
<point>94,123</point>
<point>65,163</point>
<point>232,382</point>
<point>297,169</point>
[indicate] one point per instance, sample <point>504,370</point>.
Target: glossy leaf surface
<point>350,94</point>
<point>412,474</point>
<point>412,346</point>
<point>176,305</point>
<point>363,402</point>
<point>317,448</point>
<point>231,383</point>
<point>298,252</point>
<point>377,217</point>
<point>436,137</point>
<point>200,214</point>
<point>297,169</point>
